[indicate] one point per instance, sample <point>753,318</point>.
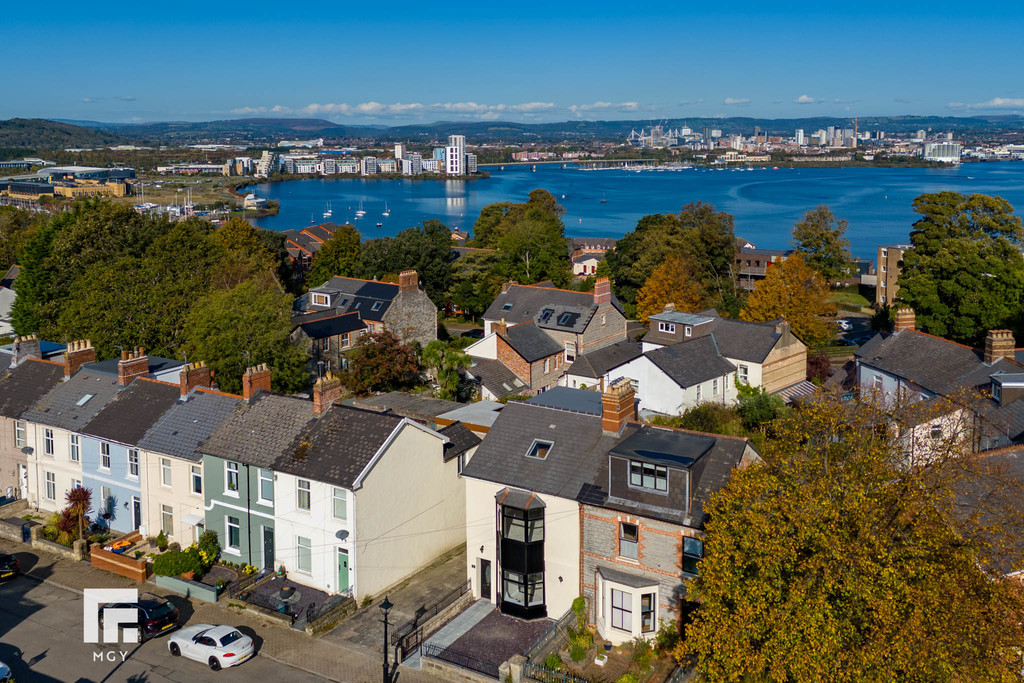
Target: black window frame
<point>639,471</point>
<point>693,555</point>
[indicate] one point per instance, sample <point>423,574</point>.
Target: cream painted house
<point>20,388</point>
<point>173,464</point>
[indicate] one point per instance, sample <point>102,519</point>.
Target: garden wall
<point>116,563</point>
<point>190,589</point>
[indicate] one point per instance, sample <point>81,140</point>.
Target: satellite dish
<point>342,535</point>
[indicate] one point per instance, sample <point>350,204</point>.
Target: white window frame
<point>265,476</point>
<point>666,327</point>
<point>76,483</point>
<point>167,520</point>
<point>192,472</point>
<point>133,466</point>
<point>547,365</point>
<point>51,486</point>
<point>339,495</point>
<point>106,506</point>
<point>687,331</point>
<point>299,546</point>
<point>165,472</point>
<point>631,545</point>
<point>105,456</point>
<point>570,351</point>
<point>714,387</point>
<point>299,490</point>
<point>19,434</point>
<point>743,372</point>
<point>231,468</point>
<point>75,448</point>
<point>235,550</point>
<point>698,393</point>
<point>652,625</point>
<point>49,444</point>
<point>318,299</point>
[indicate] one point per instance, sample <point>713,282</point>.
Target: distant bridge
<point>567,162</point>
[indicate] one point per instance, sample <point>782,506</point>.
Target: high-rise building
<point>946,152</point>
<point>399,150</point>
<point>470,163</point>
<point>799,136</point>
<point>412,164</point>
<point>439,153</point>
<point>455,156</point>
<point>368,165</point>
<point>889,258</point>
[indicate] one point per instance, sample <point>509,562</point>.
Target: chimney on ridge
<point>195,375</point>
<point>254,379</point>
<point>998,344</point>
<point>408,281</point>
<point>77,354</point>
<point>326,391</point>
<point>602,291</point>
<point>133,363</point>
<point>617,406</point>
<point>25,347</point>
<point>904,319</point>
<point>506,285</point>
<point>500,327</point>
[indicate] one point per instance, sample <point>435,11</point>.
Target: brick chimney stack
<point>998,344</point>
<point>408,281</point>
<point>617,406</point>
<point>669,308</point>
<point>602,291</point>
<point>25,347</point>
<point>133,363</point>
<point>500,327</point>
<point>254,379</point>
<point>195,375</point>
<point>506,285</point>
<point>77,354</point>
<point>904,319</point>
<point>326,391</point>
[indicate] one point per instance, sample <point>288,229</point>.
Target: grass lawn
<point>850,298</point>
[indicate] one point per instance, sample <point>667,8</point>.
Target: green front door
<point>342,570</point>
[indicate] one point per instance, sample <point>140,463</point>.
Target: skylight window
<point>507,307</point>
<point>376,305</point>
<point>539,449</point>
<point>546,315</point>
<point>564,318</point>
<point>85,399</point>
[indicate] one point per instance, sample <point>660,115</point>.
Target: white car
<point>844,324</point>
<point>218,646</point>
<point>5,674</point>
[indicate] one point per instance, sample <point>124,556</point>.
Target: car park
<point>157,615</point>
<point>9,569</point>
<point>217,646</point>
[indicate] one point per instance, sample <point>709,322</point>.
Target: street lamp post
<point>385,607</point>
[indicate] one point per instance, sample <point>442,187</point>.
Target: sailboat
<point>359,212</point>
<point>387,212</point>
<point>327,211</point>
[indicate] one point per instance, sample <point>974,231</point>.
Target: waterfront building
<point>470,164</point>
<point>946,152</point>
<point>889,258</point>
<point>399,150</point>
<point>387,166</point>
<point>431,165</point>
<point>455,156</point>
<point>412,164</point>
<point>368,165</point>
<point>439,154</point>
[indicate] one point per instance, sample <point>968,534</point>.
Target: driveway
<point>423,589</point>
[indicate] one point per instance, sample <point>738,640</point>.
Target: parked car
<point>9,568</point>
<point>475,333</point>
<point>218,646</point>
<point>5,674</point>
<point>844,324</point>
<point>157,616</point>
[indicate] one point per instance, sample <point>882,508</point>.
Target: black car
<point>475,333</point>
<point>9,567</point>
<point>156,615</point>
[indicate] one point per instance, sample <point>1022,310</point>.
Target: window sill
<point>233,551</point>
<point>264,502</point>
<point>628,560</point>
<point>231,494</point>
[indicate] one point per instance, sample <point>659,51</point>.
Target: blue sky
<point>399,62</point>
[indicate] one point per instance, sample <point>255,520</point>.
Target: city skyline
<point>420,64</point>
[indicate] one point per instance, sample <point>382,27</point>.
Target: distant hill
<point>40,134</point>
<point>234,130</point>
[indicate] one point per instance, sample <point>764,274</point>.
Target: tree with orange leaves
<point>673,282</point>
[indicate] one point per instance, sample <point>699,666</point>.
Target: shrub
<point>176,564</point>
<point>553,662</point>
<point>579,608</point>
<point>641,655</point>
<point>139,554</point>
<point>209,548</point>
<point>161,541</point>
<point>667,636</point>
<point>174,546</point>
<point>628,678</point>
<point>577,652</point>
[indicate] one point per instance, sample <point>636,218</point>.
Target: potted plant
<point>281,572</point>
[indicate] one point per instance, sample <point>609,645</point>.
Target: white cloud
<point>90,100</point>
<point>804,99</point>
<point>994,103</point>
<point>736,100</point>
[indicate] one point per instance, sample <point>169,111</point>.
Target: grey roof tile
<point>498,379</point>
<point>259,431</point>
<point>527,300</point>
<point>133,411</point>
<point>935,364</point>
<point>181,430</point>
<point>72,404</point>
<point>692,362</point>
<point>531,342</point>
<point>460,440</point>
<point>596,363</point>
<point>22,386</point>
<point>405,404</point>
<point>576,400</point>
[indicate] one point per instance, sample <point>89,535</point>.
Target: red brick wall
<point>512,360</point>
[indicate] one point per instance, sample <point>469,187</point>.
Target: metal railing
<point>242,585</point>
<point>558,632</point>
<point>405,631</point>
<point>315,611</point>
<point>543,674</point>
<point>461,660</point>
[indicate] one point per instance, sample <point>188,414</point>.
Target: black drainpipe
<point>248,515</point>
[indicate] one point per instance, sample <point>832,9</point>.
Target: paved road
<point>41,640</point>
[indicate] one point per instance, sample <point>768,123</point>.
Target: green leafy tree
<point>338,256</point>
<point>381,363</point>
<point>639,252</point>
<point>834,561</point>
<point>427,249</point>
<point>819,237</point>
<point>245,326</point>
<point>475,282</point>
<point>964,273</point>
<point>709,243</point>
<point>447,360</point>
<point>16,228</point>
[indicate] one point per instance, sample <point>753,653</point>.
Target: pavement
<point>326,658</point>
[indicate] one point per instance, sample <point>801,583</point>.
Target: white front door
<point>23,480</point>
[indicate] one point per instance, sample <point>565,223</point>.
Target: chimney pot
<point>602,291</point>
<point>999,344</point>
<point>132,365</point>
<point>905,319</point>
<point>408,281</point>
<point>617,406</point>
<point>255,379</point>
<point>78,353</point>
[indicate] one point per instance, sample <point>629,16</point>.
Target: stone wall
<point>412,316</point>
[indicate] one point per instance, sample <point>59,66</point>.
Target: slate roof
<point>576,400</point>
<point>188,423</point>
<point>60,406</point>
<point>331,325</point>
<point>498,379</point>
<point>692,362</point>
<point>531,343</point>
<point>461,439</point>
<point>527,300</point>
<point>259,431</point>
<point>351,294</point>
<point>737,339</point>
<point>157,364</point>
<point>10,276</point>
<point>596,363</point>
<point>935,364</point>
<point>25,384</point>
<point>408,405</point>
<point>576,467</point>
<point>990,492</point>
<point>478,414</point>
<point>565,318</point>
<point>133,411</point>
<point>337,447</point>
